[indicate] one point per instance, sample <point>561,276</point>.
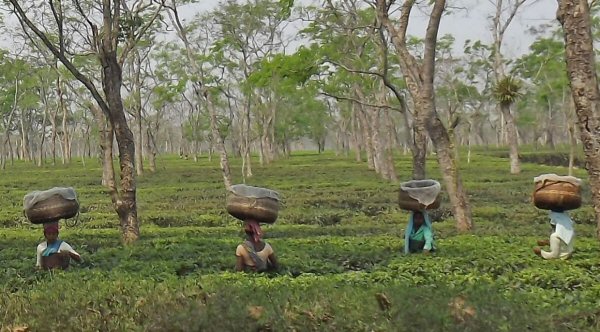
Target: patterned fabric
<point>259,263</point>
<point>424,233</point>
<point>564,225</point>
<point>52,248</point>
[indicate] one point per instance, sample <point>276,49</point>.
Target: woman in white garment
<point>54,253</point>
<point>561,239</point>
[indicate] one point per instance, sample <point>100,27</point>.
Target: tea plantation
<point>339,239</point>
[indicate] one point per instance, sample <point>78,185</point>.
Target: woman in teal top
<point>418,236</point>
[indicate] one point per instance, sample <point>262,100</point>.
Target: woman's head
<point>418,218</point>
<point>51,232</point>
<point>252,229</point>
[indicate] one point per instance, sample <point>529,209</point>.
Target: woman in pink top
<point>254,254</point>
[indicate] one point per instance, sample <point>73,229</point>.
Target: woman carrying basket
<point>54,253</point>
<point>561,240</point>
<point>418,236</point>
<point>254,254</point>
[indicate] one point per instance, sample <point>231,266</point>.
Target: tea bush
<point>339,238</point>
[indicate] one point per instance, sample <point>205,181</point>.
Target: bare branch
<point>90,23</point>
<point>132,42</point>
<point>82,78</point>
<point>58,17</point>
<point>354,100</point>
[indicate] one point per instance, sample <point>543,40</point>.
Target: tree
<point>355,51</point>
<point>545,69</point>
<point>507,90</point>
<point>504,84</point>
<point>103,41</point>
<point>202,91</point>
<point>575,18</point>
<point>419,76</point>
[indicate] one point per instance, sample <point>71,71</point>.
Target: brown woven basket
<point>408,203</point>
<point>55,261</point>
<point>52,209</point>
<point>556,196</point>
<point>263,209</point>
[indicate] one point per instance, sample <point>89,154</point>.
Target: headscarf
<point>252,226</point>
<point>564,225</point>
<point>51,228</point>
<point>409,228</point>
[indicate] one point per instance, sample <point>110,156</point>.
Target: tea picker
<point>419,196</point>
<point>47,208</point>
<point>557,194</point>
<point>253,205</point>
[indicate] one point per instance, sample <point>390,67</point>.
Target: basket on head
<point>419,195</point>
<point>557,193</point>
<point>50,205</point>
<point>247,202</point>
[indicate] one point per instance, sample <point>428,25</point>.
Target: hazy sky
<point>469,20</point>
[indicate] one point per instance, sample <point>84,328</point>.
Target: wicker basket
<point>263,209</point>
<point>52,209</point>
<point>556,196</point>
<point>422,189</point>
<point>408,203</point>
<point>55,261</point>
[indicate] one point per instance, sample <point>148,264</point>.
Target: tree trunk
<point>419,147</point>
<point>369,119</point>
<point>6,140</point>
<point>513,139</point>
<point>125,202</point>
<point>152,150</point>
<point>549,127</point>
<point>65,144</point>
<point>136,63</point>
<point>391,139</point>
<point>449,167</point>
<point>365,133</point>
<point>224,162</point>
<point>416,139</point>
<point>40,160</point>
<point>355,133</point>
<point>572,147</point>
<point>245,131</point>
<point>24,155</point>
<point>574,15</point>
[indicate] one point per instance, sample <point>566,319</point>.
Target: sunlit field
<point>339,239</point>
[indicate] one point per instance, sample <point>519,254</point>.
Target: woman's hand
<point>537,251</point>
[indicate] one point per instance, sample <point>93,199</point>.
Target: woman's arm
<point>38,262</point>
<point>428,235</point>
<point>239,258</point>
<point>274,264</point>
<point>239,263</point>
<point>67,250</point>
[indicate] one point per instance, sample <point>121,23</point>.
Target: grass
<point>338,237</point>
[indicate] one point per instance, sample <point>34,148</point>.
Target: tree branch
<point>431,40</point>
<point>133,41</point>
<point>354,100</point>
<point>82,78</point>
